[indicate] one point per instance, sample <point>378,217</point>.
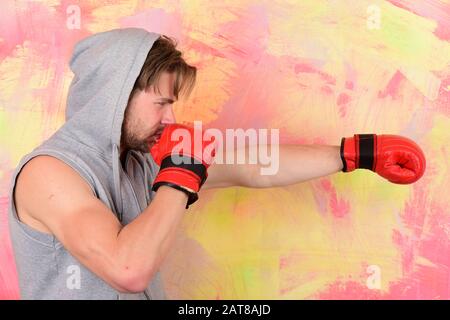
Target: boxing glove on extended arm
<point>395,158</point>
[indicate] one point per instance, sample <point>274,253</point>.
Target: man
<point>93,212</point>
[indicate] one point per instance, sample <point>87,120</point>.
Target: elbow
<point>132,281</point>
<point>132,285</point>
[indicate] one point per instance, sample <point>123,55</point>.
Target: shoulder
<point>47,171</point>
<point>46,178</point>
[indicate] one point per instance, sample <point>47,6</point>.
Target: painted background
<point>317,70</point>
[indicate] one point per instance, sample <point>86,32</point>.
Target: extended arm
<point>398,159</point>
<point>295,163</point>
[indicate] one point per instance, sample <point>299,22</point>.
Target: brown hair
<point>163,56</point>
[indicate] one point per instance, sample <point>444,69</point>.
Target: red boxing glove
<point>398,159</point>
<point>184,155</point>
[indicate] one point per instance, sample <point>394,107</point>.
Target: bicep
<point>60,199</point>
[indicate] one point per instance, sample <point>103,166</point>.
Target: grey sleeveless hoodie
<point>105,67</point>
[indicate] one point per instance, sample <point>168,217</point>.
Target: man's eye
<point>161,103</point>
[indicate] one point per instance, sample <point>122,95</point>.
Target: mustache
<point>160,129</point>
<point>157,133</point>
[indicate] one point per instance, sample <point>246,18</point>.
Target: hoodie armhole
<point>44,238</point>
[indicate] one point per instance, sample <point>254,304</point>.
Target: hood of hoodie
<point>105,66</point>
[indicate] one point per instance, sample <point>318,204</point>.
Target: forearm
<point>298,163</point>
<point>143,244</point>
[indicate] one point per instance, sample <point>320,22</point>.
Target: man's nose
<point>169,115</point>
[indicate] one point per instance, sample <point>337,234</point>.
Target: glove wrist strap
<point>187,163</point>
<point>367,151</point>
<point>358,152</point>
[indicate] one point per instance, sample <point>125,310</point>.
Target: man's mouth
<point>155,137</point>
<point>158,134</point>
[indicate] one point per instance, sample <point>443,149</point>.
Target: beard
<point>130,141</point>
<point>130,138</point>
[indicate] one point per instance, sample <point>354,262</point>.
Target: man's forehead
<point>161,94</point>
